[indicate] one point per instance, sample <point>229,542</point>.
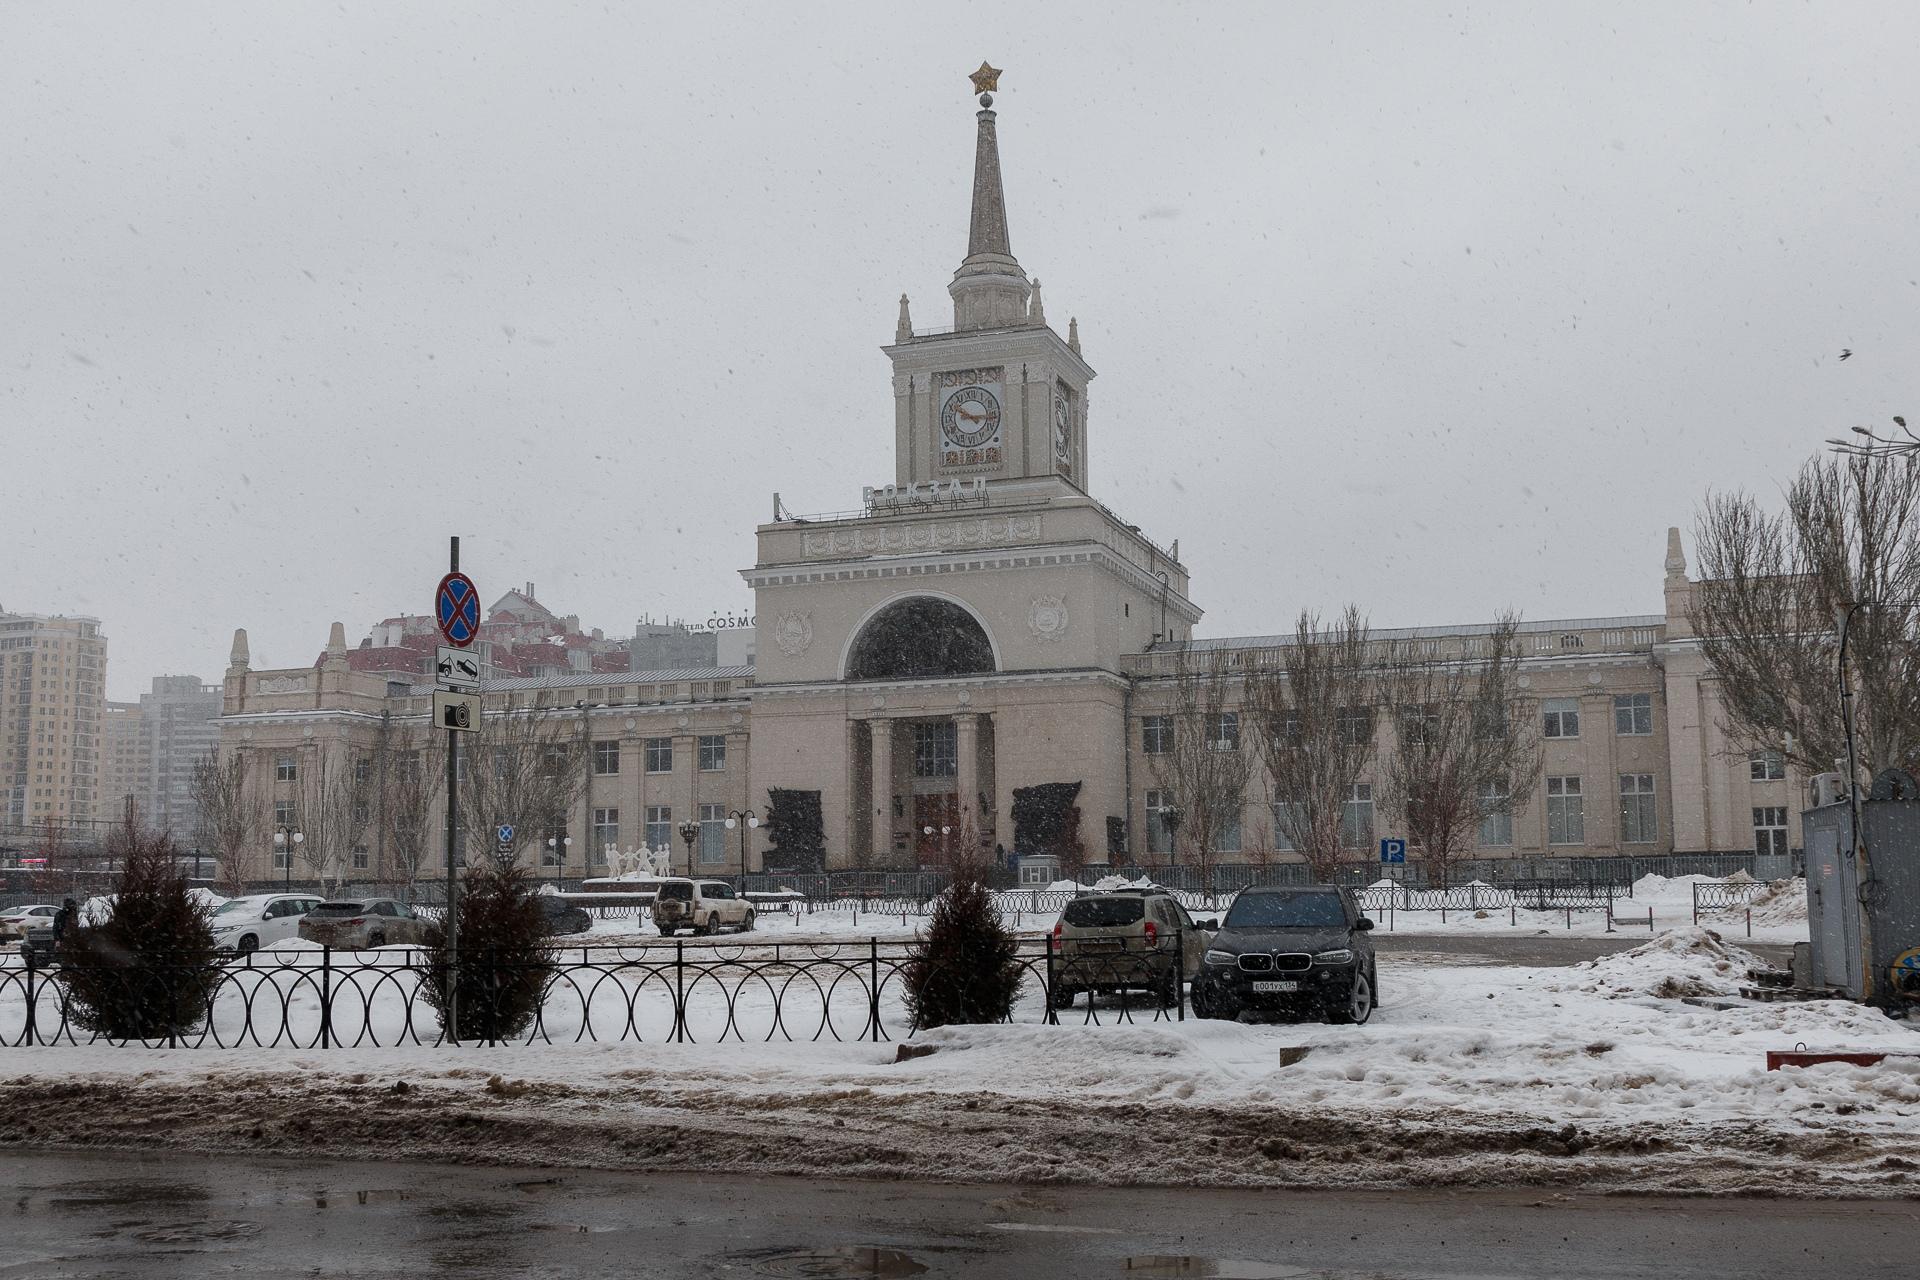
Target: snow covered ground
<point>1601,1075</point>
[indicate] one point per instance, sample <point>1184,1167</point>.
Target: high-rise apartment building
<point>52,697</point>
<point>120,772</point>
<point>179,725</point>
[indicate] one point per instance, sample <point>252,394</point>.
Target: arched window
<point>919,638</point>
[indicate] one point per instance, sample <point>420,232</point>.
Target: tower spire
<point>989,290</point>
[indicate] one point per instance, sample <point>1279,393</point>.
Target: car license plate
<point>1274,988</point>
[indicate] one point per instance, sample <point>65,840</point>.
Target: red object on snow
<point>1778,1058</point>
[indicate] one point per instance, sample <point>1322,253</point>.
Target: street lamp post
<point>559,845</point>
<point>689,832</point>
<point>946,845</point>
<point>285,841</point>
<point>746,820</point>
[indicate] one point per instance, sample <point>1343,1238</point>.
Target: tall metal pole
<point>453,855</point>
<point>1858,842</point>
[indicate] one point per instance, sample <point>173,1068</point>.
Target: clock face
<point>1062,425</point>
<point>970,417</point>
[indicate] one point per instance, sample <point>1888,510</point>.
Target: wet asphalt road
<point>150,1216</point>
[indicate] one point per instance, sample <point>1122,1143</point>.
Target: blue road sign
<point>504,833</point>
<point>456,607</point>
<point>1392,850</point>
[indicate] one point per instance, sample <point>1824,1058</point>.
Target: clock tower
<point>999,396</point>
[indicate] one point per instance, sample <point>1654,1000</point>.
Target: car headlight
<point>1341,956</point>
<point>1220,957</point>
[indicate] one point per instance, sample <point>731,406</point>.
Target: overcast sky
<point>1438,309</point>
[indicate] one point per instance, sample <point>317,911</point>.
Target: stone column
<point>880,791</point>
<point>967,779</point>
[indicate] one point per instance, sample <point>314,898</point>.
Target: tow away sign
<point>456,668</point>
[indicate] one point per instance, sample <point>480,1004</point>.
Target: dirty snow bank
<point>1676,964</point>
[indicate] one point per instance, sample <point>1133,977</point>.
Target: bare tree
<point>525,769</point>
<point>335,813</point>
<point>1314,703</point>
<point>1204,766</point>
<point>1465,742</point>
<point>229,813</point>
<point>411,807</point>
<point>1774,587</point>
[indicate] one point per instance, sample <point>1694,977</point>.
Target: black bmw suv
<point>1298,951</point>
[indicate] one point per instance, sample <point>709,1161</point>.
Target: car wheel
<point>1359,1005</point>
<point>248,945</point>
<point>1208,1005</point>
<point>713,924</point>
<point>1168,990</point>
<point>377,940</point>
<point>747,924</point>
<point>1062,997</point>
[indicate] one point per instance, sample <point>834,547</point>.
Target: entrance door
<point>936,811</point>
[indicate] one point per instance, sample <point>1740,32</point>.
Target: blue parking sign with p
<point>1392,850</point>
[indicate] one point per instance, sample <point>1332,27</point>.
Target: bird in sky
<point>1846,352</point>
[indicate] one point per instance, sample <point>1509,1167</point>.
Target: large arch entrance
<point>920,638</point>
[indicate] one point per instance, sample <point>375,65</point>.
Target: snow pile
<point>1108,883</point>
<point>1681,962</point>
<point>1782,902</point>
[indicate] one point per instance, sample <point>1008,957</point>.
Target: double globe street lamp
<point>747,820</point>
<point>285,841</point>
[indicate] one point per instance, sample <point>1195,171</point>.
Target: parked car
<point>368,922</point>
<point>1126,940</point>
<point>700,906</point>
<point>1297,950</point>
<point>563,916</point>
<point>16,921</point>
<point>247,924</point>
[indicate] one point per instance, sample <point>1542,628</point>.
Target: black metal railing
<point>666,992</point>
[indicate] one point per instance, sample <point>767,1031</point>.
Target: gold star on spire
<point>986,79</point>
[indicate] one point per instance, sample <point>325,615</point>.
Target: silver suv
<point>1126,940</point>
<point>703,906</point>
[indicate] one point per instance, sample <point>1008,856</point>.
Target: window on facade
<point>1633,714</point>
<point>285,770</point>
<point>1639,817</point>
<point>1285,729</point>
<point>1156,735</point>
<point>362,813</point>
<point>286,813</point>
<point>713,835</point>
<point>1356,817</point>
<point>606,830</point>
<point>659,755</point>
<point>1226,828</point>
<point>1766,766</point>
<point>1159,838</point>
<point>659,830</point>
<point>363,769</point>
<point>1286,818</point>
<point>1354,725</point>
<point>1223,731</point>
<point>360,859</point>
<point>282,858</point>
<point>1562,717</point>
<point>1419,726</point>
<point>1770,831</point>
<point>936,749</point>
<point>1496,829</point>
<point>713,752</point>
<point>606,758</point>
<point>1566,815</point>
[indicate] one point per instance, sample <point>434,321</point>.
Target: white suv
<point>703,906</point>
<point>247,924</point>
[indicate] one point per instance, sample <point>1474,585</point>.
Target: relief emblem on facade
<point>1047,617</point>
<point>284,684</point>
<point>793,632</point>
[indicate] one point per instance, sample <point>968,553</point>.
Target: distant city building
<point>519,637</point>
<point>53,672</point>
<point>179,723</point>
<point>661,646</point>
<point>120,772</point>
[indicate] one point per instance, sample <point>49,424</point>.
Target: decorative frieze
<point>940,535</point>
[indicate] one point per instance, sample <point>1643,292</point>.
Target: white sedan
<point>247,924</point>
<point>15,921</point>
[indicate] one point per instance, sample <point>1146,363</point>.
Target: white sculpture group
<point>639,862</point>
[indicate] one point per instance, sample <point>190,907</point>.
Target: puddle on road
<point>382,1195</point>
<point>1215,1268</point>
<point>839,1262</point>
<point>192,1233</point>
